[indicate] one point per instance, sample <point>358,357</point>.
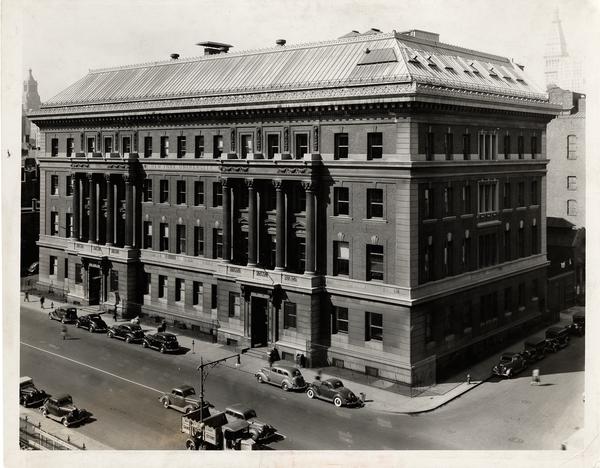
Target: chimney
<point>174,56</point>
<point>280,42</point>
<point>214,48</point>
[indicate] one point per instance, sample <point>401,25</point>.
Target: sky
<point>63,39</point>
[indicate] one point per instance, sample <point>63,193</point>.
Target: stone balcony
<point>260,276</point>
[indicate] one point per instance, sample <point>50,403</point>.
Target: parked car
<point>64,314</point>
<point>282,375</point>
<point>164,342</point>
<point>62,409</point>
<point>29,395</point>
<point>578,325</point>
<point>182,398</point>
<point>258,429</point>
<point>535,348</point>
<point>129,332</point>
<point>33,269</point>
<point>510,364</point>
<point>93,322</point>
<point>559,335</point>
<point>332,390</point>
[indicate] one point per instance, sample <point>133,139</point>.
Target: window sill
<point>467,215</point>
<point>467,330</point>
<point>521,309</point>
<point>534,207</point>
<point>521,208</point>
<point>449,218</point>
<point>507,210</point>
<point>429,221</point>
<point>508,314</point>
<point>375,220</point>
<point>449,338</point>
<point>430,345</point>
<point>342,218</point>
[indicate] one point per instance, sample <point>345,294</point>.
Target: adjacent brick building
<point>376,201</point>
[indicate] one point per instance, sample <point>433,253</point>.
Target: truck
<point>208,431</point>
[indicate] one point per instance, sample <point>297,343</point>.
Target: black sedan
<point>163,342</point>
<point>333,390</point>
<point>129,332</point>
<point>93,323</point>
<point>64,314</point>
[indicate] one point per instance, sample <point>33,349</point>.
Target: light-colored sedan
<point>281,375</point>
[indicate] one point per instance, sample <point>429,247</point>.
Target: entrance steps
<point>259,353</point>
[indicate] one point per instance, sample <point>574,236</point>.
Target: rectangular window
<point>234,304</point>
<point>91,145</point>
<point>507,300</point>
<point>181,245</point>
<point>197,293</point>
<point>147,234</point>
<point>448,257</point>
<point>148,147</point>
<point>535,243</point>
<point>340,148</point>
<point>66,271</point>
<point>448,201</point>
<point>428,203</point>
<point>164,147</point>
<point>571,183</point>
<point>126,145</point>
<point>467,146</point>
<point>373,326</point>
<point>164,237</point>
<point>164,191</point>
<point>247,146</point>
<point>521,241</point>
<point>535,289</point>
<point>272,145</point>
<point>467,315</point>
<point>217,194</point>
<point>69,225</point>
<point>147,284</point>
<point>428,260</point>
<point>114,281</point>
<point>181,192</point>
<point>507,146</point>
<point>572,147</point>
<point>217,243</point>
<point>507,246</point>
<point>54,223</point>
<point>301,145</point>
<point>217,146</point>
<point>289,315</point>
<point>198,241</point>
<point>521,298</point>
<point>198,146</point>
<point>54,185</point>
<point>449,146</point>
<point>534,193</point>
<point>54,147</point>
<point>487,250</point>
<point>572,207</point>
<point>181,146</point>
<point>341,260</point>
<point>341,201</point>
<point>521,193</point>
<point>53,266</point>
<point>374,145</point>
<point>108,145</point>
<point>374,203</point>
<point>375,263</point>
<point>466,199</point>
<point>340,320</point>
<point>179,290</point>
<point>506,200</point>
<point>487,146</point>
<point>69,185</point>
<point>488,200</point>
<point>198,193</point>
<point>70,147</point>
<point>162,287</point>
<point>534,146</point>
<point>430,146</point>
<point>78,274</point>
<point>466,253</point>
<point>521,146</point>
<point>147,190</point>
<point>214,295</point>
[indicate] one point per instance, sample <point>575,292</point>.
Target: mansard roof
<point>351,67</point>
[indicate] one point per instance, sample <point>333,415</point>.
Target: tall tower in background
<point>31,101</point>
<point>561,69</point>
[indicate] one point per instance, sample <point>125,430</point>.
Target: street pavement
<point>120,384</point>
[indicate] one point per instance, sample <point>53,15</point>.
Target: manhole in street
<point>525,402</point>
<point>516,440</point>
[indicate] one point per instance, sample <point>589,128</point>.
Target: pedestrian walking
<point>115,314</point>
<point>42,299</point>
<point>63,332</point>
<point>26,296</point>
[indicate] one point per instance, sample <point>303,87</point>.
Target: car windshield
<point>189,391</point>
<point>336,383</point>
<point>170,337</point>
<point>249,414</point>
<point>506,358</point>
<point>65,401</point>
<point>135,327</point>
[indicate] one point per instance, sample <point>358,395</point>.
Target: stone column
<point>92,209</point>
<point>280,225</point>
<point>251,222</point>
<point>226,220</point>
<point>309,187</point>
<point>110,210</point>
<point>128,210</point>
<point>76,202</point>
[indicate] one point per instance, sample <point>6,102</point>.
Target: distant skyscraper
<point>561,69</point>
<point>31,101</point>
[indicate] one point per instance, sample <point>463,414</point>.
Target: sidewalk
<point>381,395</point>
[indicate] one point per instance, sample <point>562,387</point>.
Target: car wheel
<point>310,393</point>
<point>187,410</point>
<point>337,401</point>
<point>285,387</point>
<point>260,379</point>
<point>62,320</point>
<point>64,422</point>
<point>91,329</point>
<point>144,344</point>
<point>162,349</point>
<point>128,339</point>
<point>254,435</point>
<point>166,403</point>
<point>509,374</point>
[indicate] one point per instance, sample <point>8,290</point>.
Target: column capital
<point>224,182</point>
<point>249,183</point>
<point>308,185</point>
<point>278,184</point>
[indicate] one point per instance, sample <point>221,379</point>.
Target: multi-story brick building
<point>375,200</point>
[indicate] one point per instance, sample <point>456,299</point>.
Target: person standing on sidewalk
<point>42,299</point>
<point>26,296</point>
<point>115,314</point>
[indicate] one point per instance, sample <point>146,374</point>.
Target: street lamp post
<point>204,367</point>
